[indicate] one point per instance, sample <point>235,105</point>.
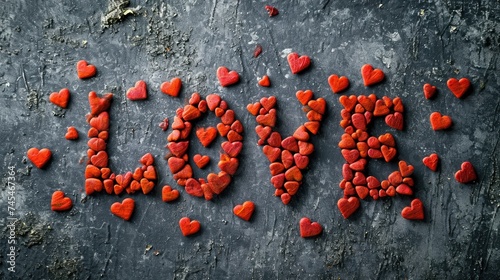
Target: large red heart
<point>338,84</point>
<point>168,195</point>
<point>308,228</point>
<point>189,227</point>
<point>85,70</point>
<point>395,120</point>
<point>226,77</point>
<point>124,209</point>
<point>138,92</point>
<point>431,161</point>
<point>348,206</point>
<point>466,174</point>
<point>172,88</point>
<point>415,211</point>
<point>60,202</point>
<point>39,157</point>
<point>60,98</point>
<point>458,87</point>
<point>218,182</point>
<point>370,75</point>
<point>440,122</point>
<point>296,63</point>
<point>245,210</point>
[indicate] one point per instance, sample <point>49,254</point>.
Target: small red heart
<point>213,101</point>
<point>254,108</point>
<point>349,102</point>
<point>308,228</point>
<point>431,161</point>
<point>190,113</point>
<point>268,102</point>
<point>276,168</point>
<point>60,202</point>
<point>429,91</point>
<point>388,152</point>
<point>358,120</point>
<point>405,169</point>
<point>264,81</point>
<point>206,136</point>
<point>100,159</point>
<point>85,70</point>
<point>189,227</point>
<point>440,122</point>
<point>404,189</point>
<point>318,105</point>
<point>168,195</point>
<point>226,77</point>
<point>150,173</point>
<point>185,173</point>
<point>233,136</point>
<point>268,119</point>
<point>458,87</point>
<point>312,126</point>
<point>286,158</point>
<point>338,84</point>
<point>301,161</point>
<point>223,129</point>
<point>60,98</point>
<point>147,159</point>
<point>301,134</point>
<point>218,182</point>
<point>178,149</point>
<point>193,187</point>
<point>245,210</point>
<point>232,149</point>
<point>71,134</point>
<point>285,197</point>
<point>271,153</point>
<point>93,185</point>
<point>146,185</point>
<point>39,158</point>
<point>466,174</point>
<point>296,63</point>
<point>367,102</point>
<point>415,211</point>
<point>101,122</point>
<point>201,161</point>
<point>228,117</point>
<point>293,174</point>
<point>172,88</point>
<point>290,144</point>
<point>380,109</point>
<point>228,164</point>
<point>362,191</point>
<point>138,92</point>
<point>350,155</point>
<point>387,139</point>
<point>304,96</point>
<point>395,120</point>
<point>124,209</point>
<point>370,75</point>
<point>348,206</point>
<point>99,104</point>
<point>92,172</point>
<point>278,180</point>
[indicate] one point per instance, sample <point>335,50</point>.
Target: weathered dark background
<point>414,42</point>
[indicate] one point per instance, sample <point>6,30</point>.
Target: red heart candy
<point>349,102</point>
<point>301,161</point>
<point>404,189</point>
<point>99,104</point>
<point>466,174</point>
<point>85,70</point>
<point>100,159</point>
<point>301,134</point>
<point>388,152</point>
<point>338,84</point>
<point>138,92</point>
<point>296,63</point>
<point>370,75</point>
<point>245,210</point>
<point>150,173</point>
<point>193,187</point>
<point>318,105</point>
<point>264,81</point>
<point>206,136</point>
<point>286,158</point>
<point>395,120</point>
<point>189,227</point>
<point>415,211</point>
<point>228,164</point>
<point>233,149</point>
<point>358,121</point>
<point>440,122</point>
<point>147,159</point>
<point>348,206</point>
<point>350,155</point>
<point>268,102</point>
<point>290,144</point>
<point>386,139</point>
<point>124,209</point>
<point>172,88</point>
<point>405,169</point>
<point>276,168</point>
<point>254,108</point>
<point>218,182</point>
<point>304,96</point>
<point>362,191</point>
<point>285,198</point>
<point>213,101</point>
<point>372,182</point>
<point>167,194</point>
<point>293,174</point>
<point>39,158</point>
<point>60,202</point>
<point>381,109</point>
<point>60,98</point>
<point>263,131</point>
<point>306,148</point>
<point>367,102</point>
<point>429,91</point>
<point>93,185</point>
<point>101,122</point>
<point>71,134</point>
<point>185,173</point>
<point>312,126</point>
<point>92,171</point>
<point>268,119</point>
<point>431,161</point>
<point>278,180</point>
<point>223,129</point>
<point>146,185</point>
<point>271,153</point>
<point>178,149</point>
<point>458,87</point>
<point>190,113</point>
<point>201,161</point>
<point>308,228</point>
<point>226,77</point>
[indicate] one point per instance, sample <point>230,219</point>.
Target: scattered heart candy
<point>138,92</point>
<point>226,77</point>
<point>458,87</point>
<point>71,134</point>
<point>245,210</point>
<point>60,202</point>
<point>371,76</point>
<point>189,227</point>
<point>431,161</point>
<point>60,98</point>
<point>298,63</point>
<point>39,158</point>
<point>429,91</point>
<point>440,122</point>
<point>172,88</point>
<point>348,206</point>
<point>308,228</point>
<point>85,70</point>
<point>124,209</point>
<point>415,211</point>
<point>466,174</point>
<point>338,84</point>
<point>264,81</point>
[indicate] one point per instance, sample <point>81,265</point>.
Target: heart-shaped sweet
<point>298,63</point>
<point>440,122</point>
<point>100,159</point>
<point>278,180</point>
<point>245,210</point>
<point>395,120</point>
<point>138,92</point>
<point>286,158</point>
<point>226,77</point>
<point>415,211</point>
<point>268,119</point>
<point>358,165</point>
<point>223,129</point>
<point>146,185</point>
<point>39,158</point>
<point>213,101</point>
<point>168,194</point>
<point>147,159</point>
<point>124,209</point>
<point>362,191</point>
<point>60,202</point>
<point>264,81</point>
<point>348,206</point>
<point>60,98</point>
<point>370,75</point>
<point>349,102</point>
<point>285,197</point>
<point>189,227</point>
<point>388,152</point>
<point>404,189</point>
<point>431,161</point>
<point>92,171</point>
<point>271,153</point>
<point>338,84</point>
<point>350,155</point>
<point>233,149</point>
<point>150,173</point>
<point>190,113</point>
<point>268,102</point>
<point>347,142</point>
<point>304,96</point>
<point>405,169</point>
<point>386,139</point>
<point>380,109</point>
<point>312,126</point>
<point>85,70</point>
<point>101,122</point>
<point>276,168</point>
<point>466,174</point>
<point>185,173</point>
<point>308,228</point>
<point>458,87</point>
<point>301,161</point>
<point>233,136</point>
<point>429,91</point>
<point>290,144</point>
<point>218,182</point>
<point>93,185</point>
<point>318,105</point>
<point>201,161</point>
<point>301,134</point>
<point>99,104</point>
<point>175,164</point>
<point>293,174</point>
<point>254,108</point>
<point>368,102</point>
<point>193,187</point>
<point>206,135</point>
<point>263,131</point>
<point>228,164</point>
<point>358,121</point>
<point>178,149</point>
<point>172,88</point>
<point>71,133</point>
